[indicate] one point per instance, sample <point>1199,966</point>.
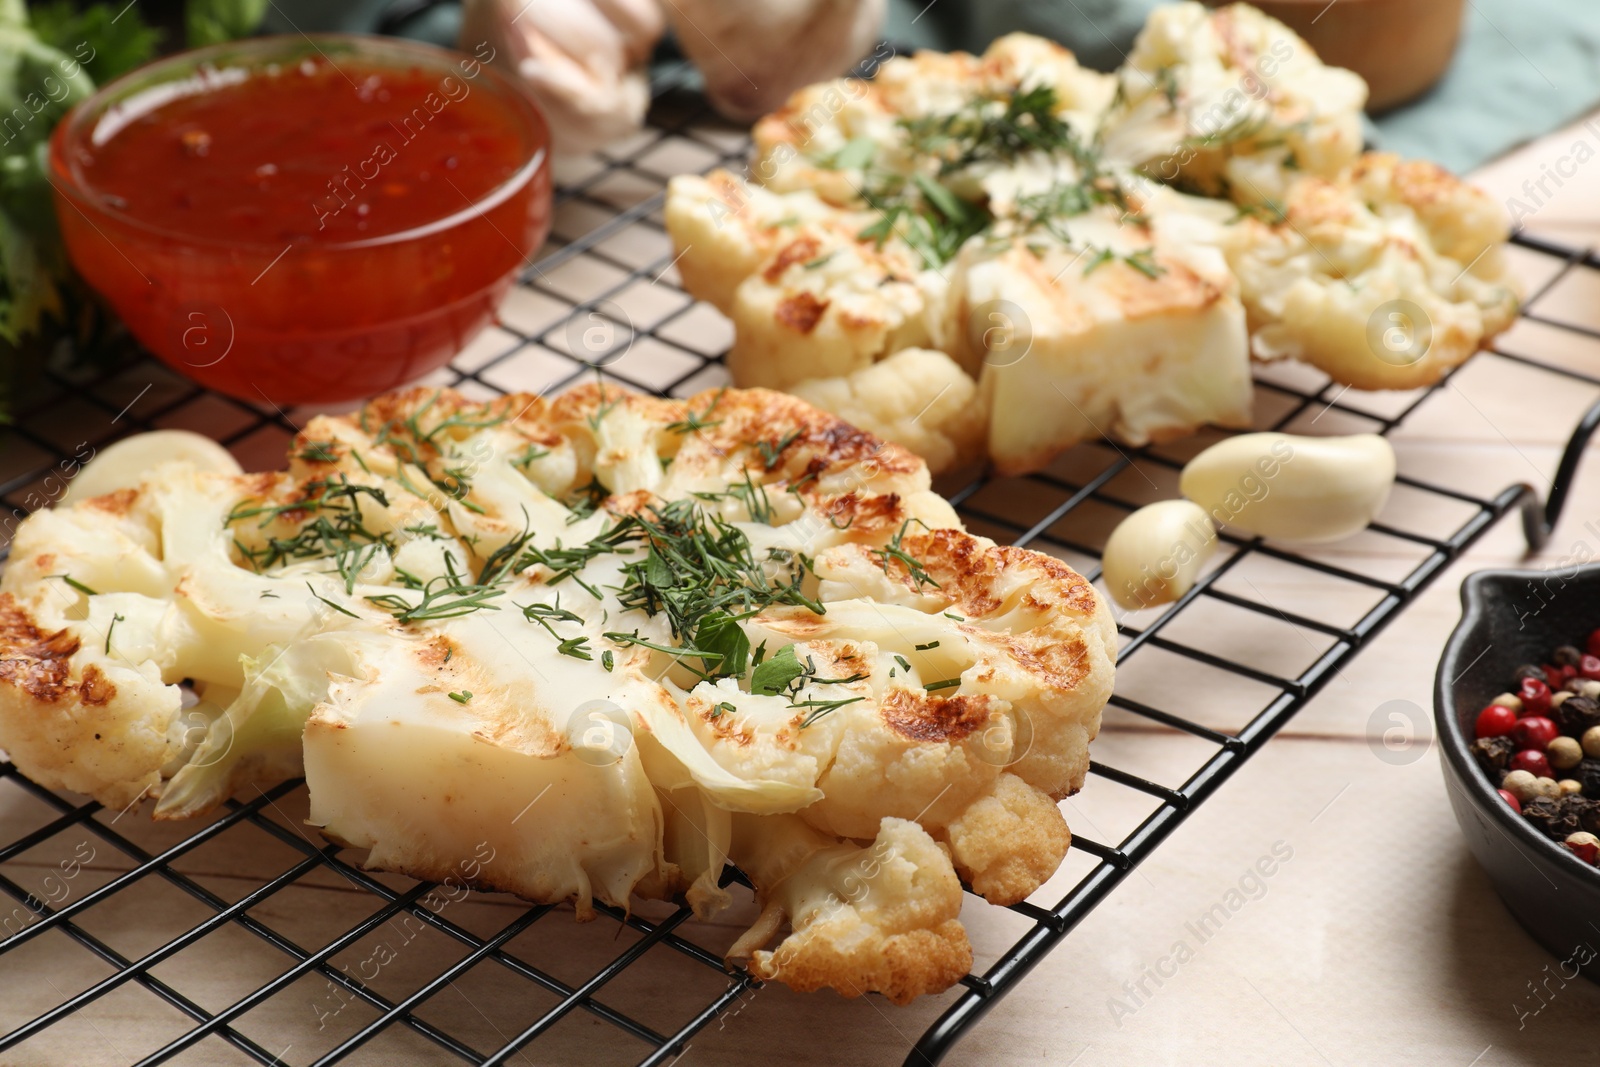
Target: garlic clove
<point>583,60</point>
<point>125,464</point>
<point>1154,555</point>
<point>753,55</point>
<point>1292,488</point>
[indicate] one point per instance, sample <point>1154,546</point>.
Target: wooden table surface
<point>1376,939</point>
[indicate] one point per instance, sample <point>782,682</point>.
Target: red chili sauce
<point>316,230</point>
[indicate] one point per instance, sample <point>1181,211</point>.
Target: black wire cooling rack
<point>110,908</point>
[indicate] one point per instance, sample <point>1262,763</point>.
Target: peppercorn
<point>1494,721</point>
<point>1528,670</point>
<point>1535,732</point>
<point>1520,784</point>
<point>1556,817</point>
<point>1569,786</point>
<point>1591,742</point>
<point>1575,715</point>
<point>1588,772</point>
<point>1494,755</point>
<point>1535,696</point>
<point>1531,760</point>
<point>1567,656</point>
<point>1564,753</point>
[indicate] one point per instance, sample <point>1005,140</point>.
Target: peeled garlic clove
<point>125,464</point>
<point>1154,555</point>
<point>1292,488</point>
<point>753,55</point>
<point>584,61</point>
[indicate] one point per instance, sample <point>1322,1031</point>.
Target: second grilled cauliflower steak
<point>1047,254</point>
<point>621,640</point>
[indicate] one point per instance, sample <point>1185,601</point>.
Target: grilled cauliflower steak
<point>1098,255</point>
<point>599,646</point>
<point>833,137</point>
<point>1231,103</point>
<point>1384,277</point>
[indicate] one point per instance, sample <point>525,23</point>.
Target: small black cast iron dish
<point>1509,618</point>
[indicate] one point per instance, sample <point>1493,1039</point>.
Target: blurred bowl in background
<point>1401,47</point>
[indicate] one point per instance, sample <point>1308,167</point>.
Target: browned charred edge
<point>32,660</point>
<point>919,716</point>
<point>800,250</point>
<point>801,312</point>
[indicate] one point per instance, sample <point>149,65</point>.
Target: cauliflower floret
<point>1231,103</point>
<point>917,397</point>
<point>880,919</point>
<point>1384,278</point>
<point>725,228</point>
<point>1127,330</point>
<point>826,304</point>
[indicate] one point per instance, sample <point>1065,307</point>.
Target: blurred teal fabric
<point>1523,68</point>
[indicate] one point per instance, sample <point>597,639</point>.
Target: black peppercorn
<point>1557,817</point>
<point>1575,715</point>
<point>1588,774</point>
<point>1528,670</point>
<point>1567,656</point>
<point>1494,755</point>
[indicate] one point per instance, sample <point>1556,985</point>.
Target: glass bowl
<point>300,314</point>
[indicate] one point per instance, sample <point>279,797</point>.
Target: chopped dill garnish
<point>528,455</point>
<point>334,526</point>
<point>336,607</point>
<point>74,583</point>
<point>446,596</point>
<point>819,708</point>
<point>575,647</point>
<point>1144,262</point>
<point>772,452</point>
<point>115,618</point>
<point>893,553</point>
<point>695,421</point>
<point>319,452</point>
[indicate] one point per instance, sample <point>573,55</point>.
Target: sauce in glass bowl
<point>304,221</point>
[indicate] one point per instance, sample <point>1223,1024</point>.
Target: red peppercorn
<point>1533,761</point>
<point>1593,643</point>
<point>1535,732</point>
<point>1496,720</point>
<point>1587,851</point>
<point>1536,695</point>
<point>1589,667</point>
<point>1568,673</point>
<point>1553,677</point>
<point>1516,805</point>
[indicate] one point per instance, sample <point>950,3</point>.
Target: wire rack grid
<point>83,956</point>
